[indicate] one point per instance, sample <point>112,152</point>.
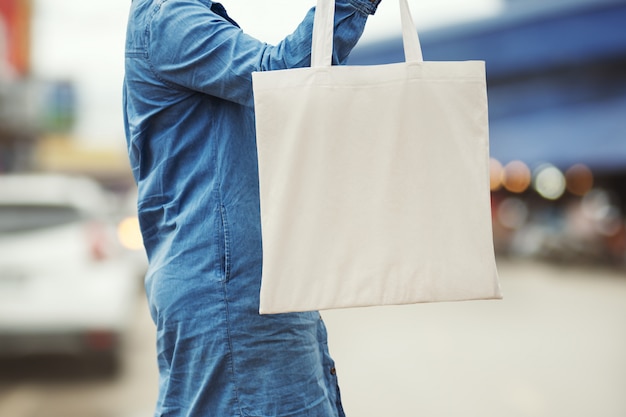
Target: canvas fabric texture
<point>374,180</point>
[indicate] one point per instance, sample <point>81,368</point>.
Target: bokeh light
<point>517,177</point>
<point>549,182</point>
<point>598,205</point>
<point>129,234</point>
<point>496,174</point>
<point>579,180</point>
<point>512,213</point>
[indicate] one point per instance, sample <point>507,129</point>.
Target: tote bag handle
<point>323,25</point>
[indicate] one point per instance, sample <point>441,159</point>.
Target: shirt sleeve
<point>191,47</point>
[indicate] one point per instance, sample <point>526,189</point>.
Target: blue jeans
<point>218,357</point>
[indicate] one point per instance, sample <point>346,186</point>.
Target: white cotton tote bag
<point>374,180</point>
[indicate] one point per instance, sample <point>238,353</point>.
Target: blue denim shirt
<point>189,120</point>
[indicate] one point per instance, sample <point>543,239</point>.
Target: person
<point>189,123</point>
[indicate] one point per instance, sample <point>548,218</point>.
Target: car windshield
<point>24,217</point>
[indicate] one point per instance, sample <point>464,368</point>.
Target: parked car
<point>66,286</point>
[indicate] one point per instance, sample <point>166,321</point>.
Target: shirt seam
<point>148,45</point>
<point>367,7</point>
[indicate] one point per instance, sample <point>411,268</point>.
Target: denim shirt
<point>189,123</point>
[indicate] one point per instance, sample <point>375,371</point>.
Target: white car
<point>66,285</point>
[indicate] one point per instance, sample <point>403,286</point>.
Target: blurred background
<point>75,336</point>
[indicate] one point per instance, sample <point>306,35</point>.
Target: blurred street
<point>63,388</point>
<point>554,347</point>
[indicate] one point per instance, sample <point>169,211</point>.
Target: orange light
<point>129,234</point>
<point>496,174</point>
<point>517,177</point>
<point>579,180</point>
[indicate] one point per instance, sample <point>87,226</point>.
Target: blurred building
<point>556,75</point>
<point>29,107</point>
<point>15,40</point>
<point>37,116</point>
<point>16,137</point>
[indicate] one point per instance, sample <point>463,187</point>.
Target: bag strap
<point>323,27</point>
<point>410,39</point>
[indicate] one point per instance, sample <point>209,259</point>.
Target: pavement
<point>555,346</point>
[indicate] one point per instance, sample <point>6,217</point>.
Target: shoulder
<point>177,11</point>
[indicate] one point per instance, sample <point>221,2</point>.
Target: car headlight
<point>129,234</point>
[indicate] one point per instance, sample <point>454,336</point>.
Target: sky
<point>83,42</point>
